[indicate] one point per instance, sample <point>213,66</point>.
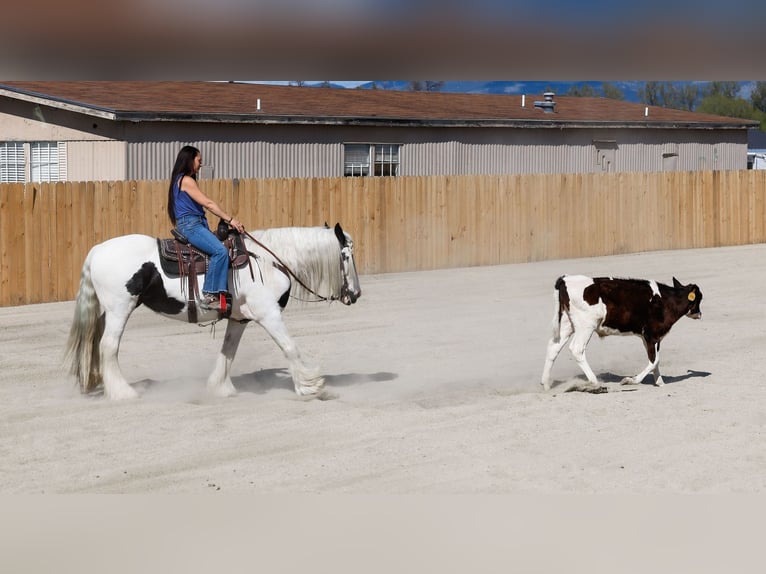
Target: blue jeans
<point>198,233</point>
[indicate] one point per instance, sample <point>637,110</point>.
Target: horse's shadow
<point>258,382</point>
<point>265,380</point>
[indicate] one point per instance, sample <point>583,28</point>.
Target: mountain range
<point>631,89</point>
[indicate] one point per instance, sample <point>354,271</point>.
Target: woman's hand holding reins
<point>236,224</point>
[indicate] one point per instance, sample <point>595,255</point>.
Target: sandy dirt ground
<point>436,376</point>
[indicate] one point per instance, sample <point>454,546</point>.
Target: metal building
<point>96,131</point>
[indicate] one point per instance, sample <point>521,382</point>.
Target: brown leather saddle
<point>179,259</point>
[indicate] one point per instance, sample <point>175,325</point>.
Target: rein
<point>287,270</point>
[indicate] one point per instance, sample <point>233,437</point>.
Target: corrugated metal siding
<point>96,160</point>
<point>245,160</point>
<point>697,150</point>
<point>501,159</point>
<point>577,153</point>
<point>692,156</point>
<point>478,153</point>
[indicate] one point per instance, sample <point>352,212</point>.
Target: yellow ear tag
<point>692,296</point>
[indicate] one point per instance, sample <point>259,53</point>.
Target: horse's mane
<point>312,253</point>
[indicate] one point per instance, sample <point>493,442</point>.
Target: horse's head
<point>351,290</point>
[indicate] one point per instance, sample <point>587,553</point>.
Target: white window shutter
<point>62,149</point>
<point>45,161</point>
<point>12,162</point>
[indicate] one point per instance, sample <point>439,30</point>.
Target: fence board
<point>48,246</point>
<point>32,289</point>
<point>9,210</point>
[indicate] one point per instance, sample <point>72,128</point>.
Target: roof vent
<point>548,104</point>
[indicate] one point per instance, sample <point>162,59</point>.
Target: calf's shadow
<point>581,381</point>
<point>649,379</point>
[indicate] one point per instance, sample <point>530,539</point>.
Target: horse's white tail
<point>85,334</point>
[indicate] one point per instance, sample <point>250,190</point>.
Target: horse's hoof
<point>125,395</point>
<point>326,395</point>
<point>221,391</point>
<point>628,381</point>
<point>321,395</point>
<point>222,394</point>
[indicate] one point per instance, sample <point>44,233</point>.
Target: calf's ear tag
<point>692,296</point>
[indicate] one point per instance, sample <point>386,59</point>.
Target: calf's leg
<point>577,347</point>
<point>555,344</point>
<point>653,352</point>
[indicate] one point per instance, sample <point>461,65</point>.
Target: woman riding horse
<point>186,205</point>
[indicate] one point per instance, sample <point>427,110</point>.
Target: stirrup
<point>211,302</point>
<point>220,302</point>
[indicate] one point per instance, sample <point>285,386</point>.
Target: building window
<point>371,159</point>
<point>356,159</point>
<point>45,161</point>
<point>12,162</point>
<point>36,161</point>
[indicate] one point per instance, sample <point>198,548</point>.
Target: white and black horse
<point>122,273</point>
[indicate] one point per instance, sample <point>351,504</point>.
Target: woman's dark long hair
<point>184,165</point>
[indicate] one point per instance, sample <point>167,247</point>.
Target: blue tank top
<point>184,204</point>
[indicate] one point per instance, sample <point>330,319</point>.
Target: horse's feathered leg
<point>307,380</point>
<point>115,385</point>
<point>219,382</point>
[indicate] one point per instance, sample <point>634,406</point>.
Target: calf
<point>606,306</point>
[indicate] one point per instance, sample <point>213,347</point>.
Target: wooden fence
<point>398,223</point>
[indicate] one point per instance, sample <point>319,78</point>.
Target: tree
<point>670,95</point>
<point>612,92</point>
<point>727,89</point>
<point>650,94</point>
<point>721,105</point>
<point>582,91</point>
<point>679,97</point>
<point>298,83</point>
<point>758,96</point>
<point>688,97</point>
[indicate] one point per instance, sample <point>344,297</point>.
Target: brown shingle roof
<point>222,101</point>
